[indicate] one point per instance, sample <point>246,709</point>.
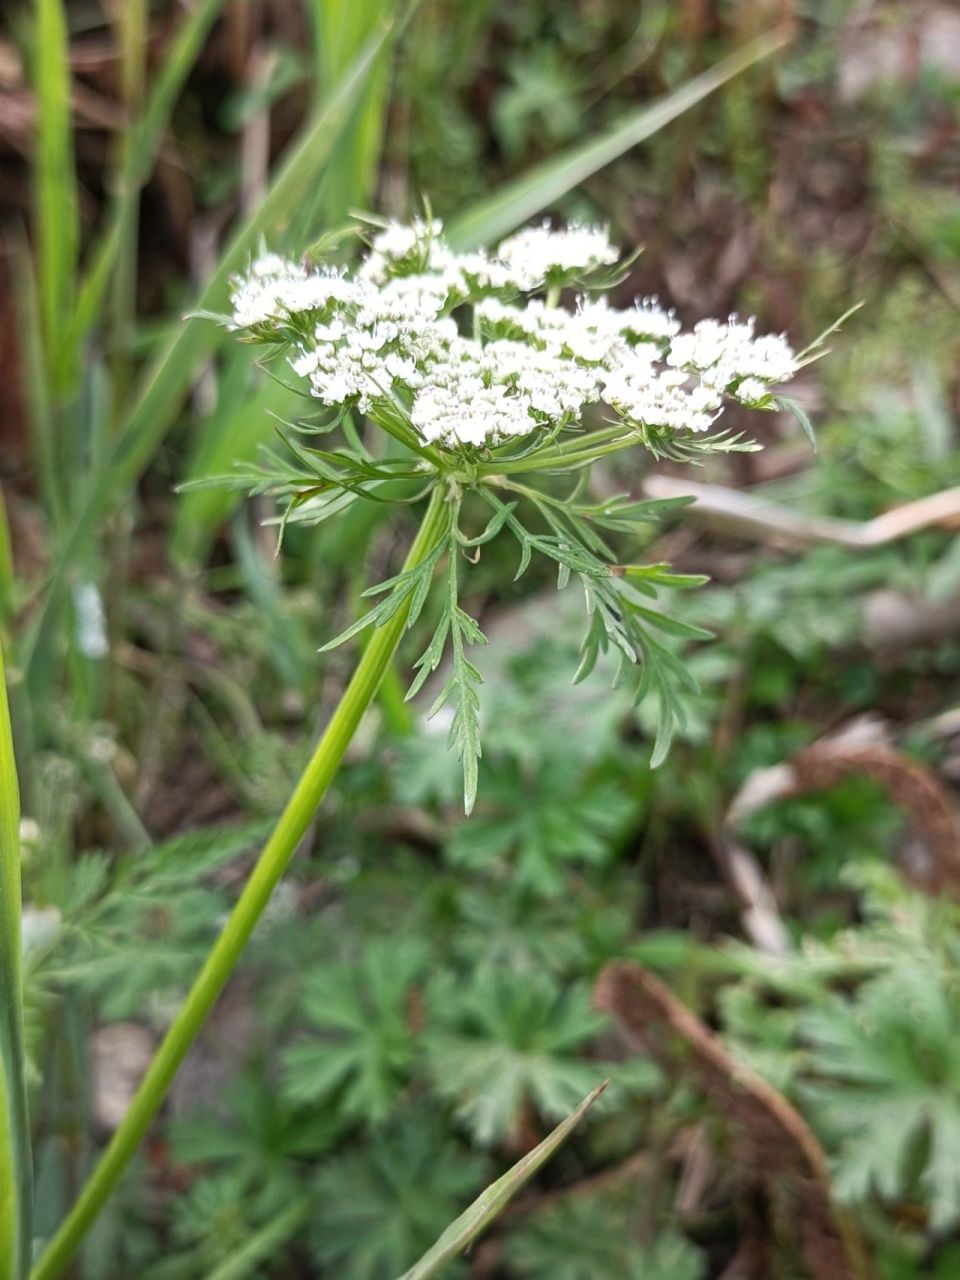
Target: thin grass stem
<point>220,962</point>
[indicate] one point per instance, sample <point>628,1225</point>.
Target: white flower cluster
<point>275,289</point>
<point>464,348</point>
<point>539,254</point>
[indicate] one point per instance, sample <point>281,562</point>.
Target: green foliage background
<point>414,1013</point>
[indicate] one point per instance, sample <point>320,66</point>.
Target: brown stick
<point>749,515</point>
<point>777,1147</point>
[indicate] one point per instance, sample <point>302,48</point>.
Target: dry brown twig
<point>776,1149</point>
<point>931,860</point>
<point>891,619</point>
<point>746,514</point>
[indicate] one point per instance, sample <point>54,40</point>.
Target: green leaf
<point>15,1166</point>
<point>887,1085</point>
<point>263,1245</point>
<point>570,819</point>
<point>462,687</point>
<point>256,1137</point>
<point>382,1203</point>
<point>339,33</point>
<point>593,1236</point>
<point>499,1045</point>
<point>368,1046</point>
<point>801,415</point>
<point>241,421</point>
<point>55,198</point>
<point>521,199</point>
<point>485,1208</point>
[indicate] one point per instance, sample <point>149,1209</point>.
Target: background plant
<point>811,192</point>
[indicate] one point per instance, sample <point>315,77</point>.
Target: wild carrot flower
<point>463,346</point>
<point>495,390</point>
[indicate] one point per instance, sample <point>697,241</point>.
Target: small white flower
<point>752,391</point>
<point>432,332</point>
<point>723,354</point>
<point>536,253</point>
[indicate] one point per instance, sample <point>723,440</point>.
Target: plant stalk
<point>579,450</point>
<point>15,1167</point>
<point>270,866</point>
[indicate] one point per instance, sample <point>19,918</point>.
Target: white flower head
<point>725,354</point>
<point>467,350</point>
<point>537,254</point>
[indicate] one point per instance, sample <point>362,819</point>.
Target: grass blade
<point>139,154</point>
<point>15,1171</point>
<point>262,1246</point>
<point>7,580</point>
<point>166,381</point>
<point>36,385</point>
<point>233,435</point>
<point>534,191</point>
<point>55,197</point>
<point>488,1204</point>
<point>339,32</point>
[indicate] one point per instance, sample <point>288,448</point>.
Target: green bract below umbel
<point>494,390</point>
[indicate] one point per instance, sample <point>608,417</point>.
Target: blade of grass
<point>519,200</point>
<point>36,385</point>
<point>7,582</point>
<point>15,1170</point>
<point>260,1247</point>
<point>167,379</point>
<point>263,878</point>
<point>130,21</point>
<point>290,649</point>
<point>339,32</point>
<point>55,196</point>
<point>240,423</point>
<point>488,1204</point>
<point>139,154</point>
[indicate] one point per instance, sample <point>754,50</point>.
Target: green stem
<point>15,1171</point>
<point>581,450</point>
<point>269,867</point>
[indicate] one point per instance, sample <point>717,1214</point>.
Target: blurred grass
<point>536,190</point>
<point>500,68</point>
<point>464,1230</point>
<point>339,34</point>
<point>15,1165</point>
<point>56,210</point>
<point>167,379</point>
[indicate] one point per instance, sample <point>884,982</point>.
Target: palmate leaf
<point>594,1237</point>
<point>257,1138</point>
<point>382,1204</point>
<point>569,818</point>
<point>500,1045</point>
<point>886,1067</point>
<point>368,1044</point>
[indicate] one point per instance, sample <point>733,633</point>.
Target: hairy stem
<point>219,964</point>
